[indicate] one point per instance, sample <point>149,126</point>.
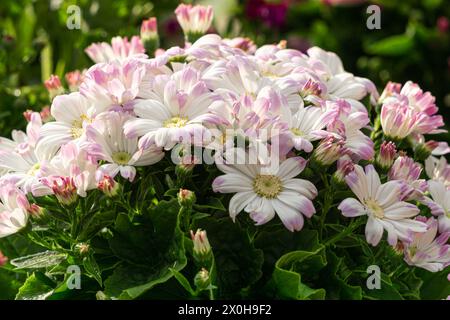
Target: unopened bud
<point>36,211</point>
<point>83,248</point>
<point>74,79</point>
<point>186,197</point>
<point>149,35</point>
<point>54,87</point>
<point>108,186</point>
<point>423,150</point>
<point>329,150</point>
<point>3,259</point>
<point>387,154</point>
<point>344,167</point>
<point>63,188</point>
<point>194,20</point>
<point>202,279</point>
<point>390,89</point>
<point>202,248</point>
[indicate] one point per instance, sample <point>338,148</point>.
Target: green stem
<point>348,230</point>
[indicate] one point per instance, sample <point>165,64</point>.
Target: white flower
<point>438,169</point>
<point>383,206</point>
<point>262,194</point>
<point>13,210</point>
<point>72,112</point>
<point>439,203</point>
<point>107,142</point>
<point>174,110</point>
<point>426,250</point>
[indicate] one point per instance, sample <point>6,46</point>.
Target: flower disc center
<point>121,158</point>
<point>175,122</point>
<point>267,186</point>
<point>375,208</point>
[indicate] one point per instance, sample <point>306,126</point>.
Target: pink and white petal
<point>301,186</point>
<point>374,231</point>
<point>291,218</point>
<point>264,213</point>
<point>231,182</point>
<point>291,168</point>
<point>401,210</point>
<point>297,201</point>
<point>373,181</point>
<point>110,169</point>
<point>128,172</point>
<point>389,193</point>
<point>239,201</point>
<point>351,207</point>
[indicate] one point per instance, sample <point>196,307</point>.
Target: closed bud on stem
<point>74,79</point>
<point>186,197</point>
<point>423,150</point>
<point>344,167</point>
<point>63,188</point>
<point>194,20</point>
<point>387,154</point>
<point>202,248</point>
<point>108,186</point>
<point>149,35</point>
<point>3,259</point>
<point>202,279</point>
<point>36,211</point>
<point>54,87</point>
<point>82,248</point>
<point>329,150</point>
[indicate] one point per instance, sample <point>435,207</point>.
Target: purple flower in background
<point>272,13</point>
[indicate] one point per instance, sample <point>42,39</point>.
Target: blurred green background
<point>412,44</point>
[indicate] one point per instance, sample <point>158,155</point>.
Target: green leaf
<point>92,269</point>
<point>36,287</point>
<point>387,290</point>
<point>238,262</point>
<point>294,270</point>
<point>183,281</point>
<point>435,284</point>
<point>397,45</point>
<point>39,260</point>
<point>213,203</point>
<point>149,246</point>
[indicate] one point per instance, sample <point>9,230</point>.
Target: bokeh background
<point>412,44</point>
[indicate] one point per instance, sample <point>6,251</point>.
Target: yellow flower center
<point>267,186</point>
<point>121,158</point>
<point>297,132</point>
<point>34,169</point>
<point>375,208</point>
<point>77,126</point>
<point>175,122</point>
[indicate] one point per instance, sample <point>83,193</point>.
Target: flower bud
<point>82,248</point>
<point>108,186</point>
<point>3,259</point>
<point>390,89</point>
<point>36,211</point>
<point>202,248</point>
<point>329,150</point>
<point>186,197</point>
<point>423,150</point>
<point>194,20</point>
<point>74,79</point>
<point>149,35</point>
<point>63,188</point>
<point>385,158</point>
<point>344,166</point>
<point>54,87</point>
<point>202,279</point>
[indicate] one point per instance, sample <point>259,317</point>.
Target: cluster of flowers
<point>128,110</point>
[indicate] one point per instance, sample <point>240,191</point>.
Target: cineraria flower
<point>438,169</point>
<point>73,165</point>
<point>54,86</point>
<point>72,112</point>
<point>409,111</point>
<point>426,250</point>
<point>24,163</point>
<point>120,49</point>
<point>264,194</point>
<point>408,171</point>
<point>194,20</point>
<point>106,141</point>
<point>347,125</point>
<point>114,84</point>
<point>383,205</point>
<point>13,210</point>
<point>439,204</point>
<point>305,126</point>
<point>173,112</point>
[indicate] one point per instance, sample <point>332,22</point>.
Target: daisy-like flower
<point>408,171</point>
<point>13,210</point>
<point>383,205</point>
<point>438,169</point>
<point>72,112</point>
<point>439,204</point>
<point>74,165</point>
<point>174,111</point>
<point>106,141</point>
<point>426,250</point>
<point>119,49</point>
<point>347,125</point>
<point>24,163</point>
<point>262,194</point>
<point>114,84</point>
<point>194,20</point>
